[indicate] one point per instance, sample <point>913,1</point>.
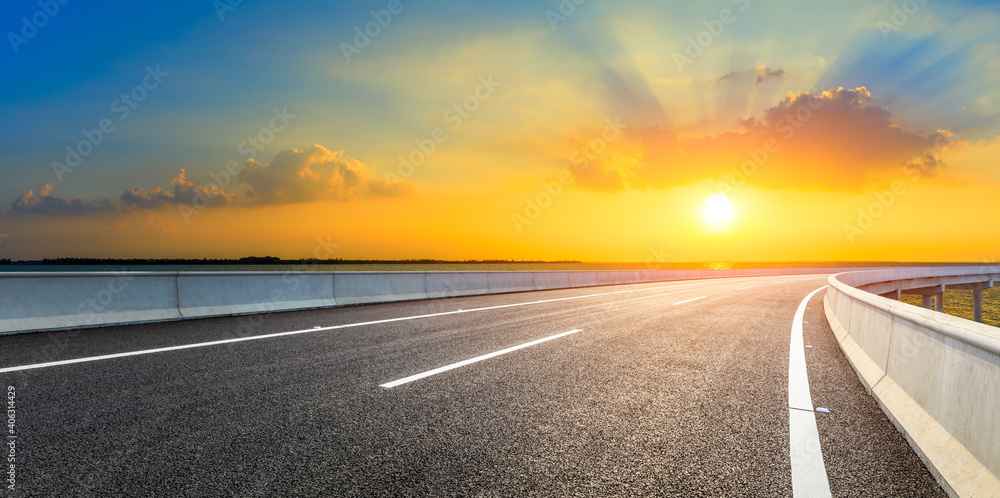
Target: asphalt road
<point>649,397</point>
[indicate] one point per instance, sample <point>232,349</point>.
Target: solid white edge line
<point>798,379</point>
<point>689,300</point>
<point>809,477</point>
<point>333,327</point>
<point>463,363</point>
<point>808,469</point>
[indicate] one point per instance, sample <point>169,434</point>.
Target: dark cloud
<point>728,76</point>
<point>45,203</point>
<point>183,192</point>
<point>764,73</point>
<point>758,75</point>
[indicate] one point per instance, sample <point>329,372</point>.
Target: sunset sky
<point>731,130</point>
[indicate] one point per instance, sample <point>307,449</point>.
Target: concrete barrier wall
<point>45,301</point>
<point>582,278</point>
<point>54,301</point>
<point>378,287</point>
<point>457,283</point>
<point>551,280</point>
<point>510,281</point>
<point>629,277</point>
<point>202,294</point>
<point>936,376</point>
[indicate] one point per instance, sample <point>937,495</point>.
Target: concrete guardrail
<point>937,377</point>
<point>36,301</point>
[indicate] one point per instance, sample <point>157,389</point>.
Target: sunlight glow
<point>718,210</point>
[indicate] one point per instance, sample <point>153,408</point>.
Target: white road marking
<point>808,470</point>
<point>321,329</point>
<point>689,300</point>
<point>463,363</point>
<point>745,288</point>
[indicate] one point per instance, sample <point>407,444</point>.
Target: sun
<point>718,210</point>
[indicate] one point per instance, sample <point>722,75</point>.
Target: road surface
<point>649,389</point>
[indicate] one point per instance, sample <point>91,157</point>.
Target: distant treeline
<point>274,261</point>
<point>266,260</point>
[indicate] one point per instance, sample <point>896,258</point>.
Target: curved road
<point>652,389</point>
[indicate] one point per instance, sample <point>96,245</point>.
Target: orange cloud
<point>312,174</point>
<point>834,140</point>
<point>294,176</point>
